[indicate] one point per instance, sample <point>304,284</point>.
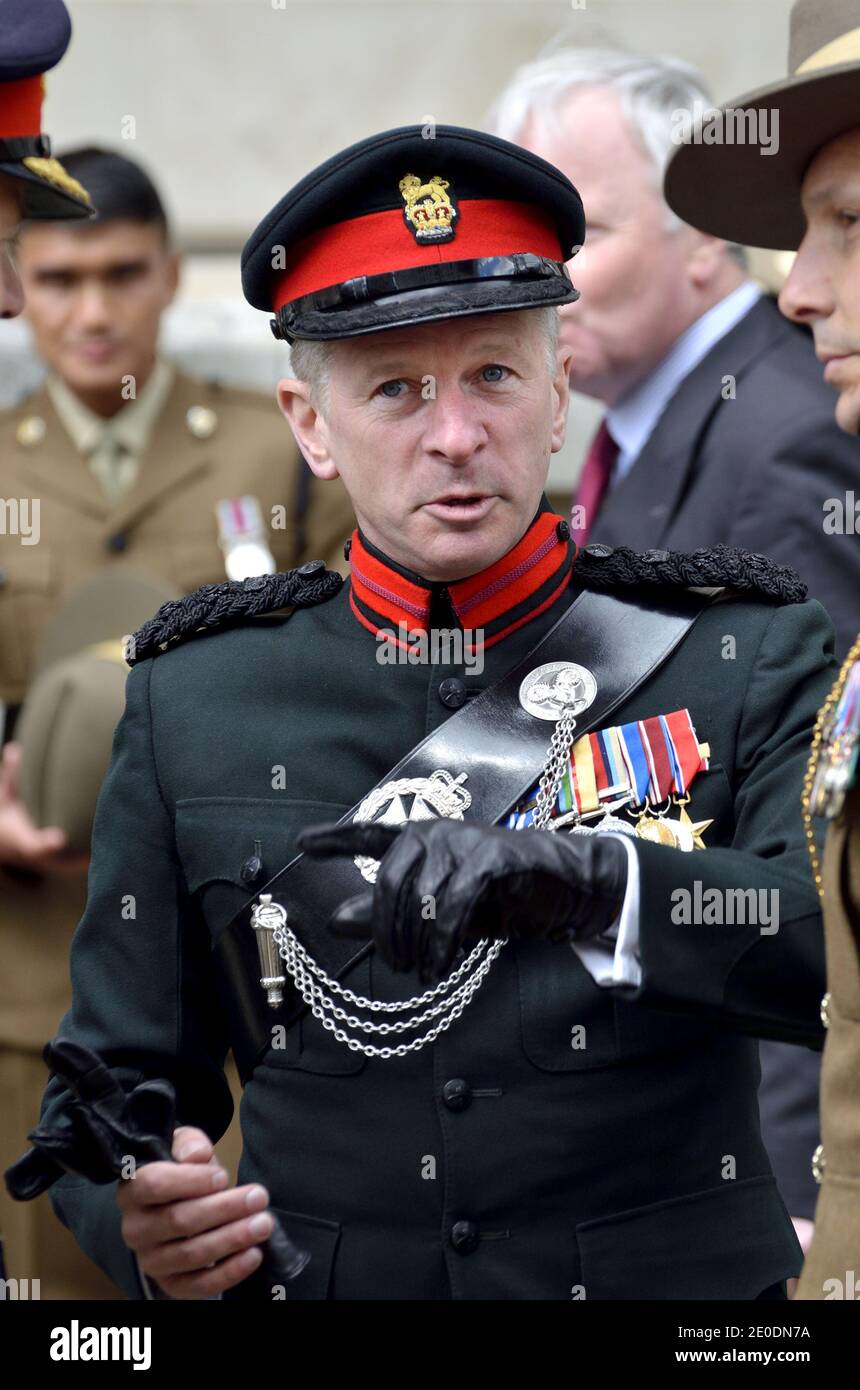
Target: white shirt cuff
<point>616,961</point>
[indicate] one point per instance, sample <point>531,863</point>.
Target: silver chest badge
<point>435,796</point>
<point>556,689</point>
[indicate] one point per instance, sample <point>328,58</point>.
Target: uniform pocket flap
<point>217,836</point>
<point>731,1241</point>
<point>320,1238</point>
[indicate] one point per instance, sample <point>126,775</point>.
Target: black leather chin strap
<point>500,747</point>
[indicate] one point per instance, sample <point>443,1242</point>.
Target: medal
<point>557,688</point>
<point>242,537</point>
<point>836,770</point>
<point>681,833</point>
<point>643,769</point>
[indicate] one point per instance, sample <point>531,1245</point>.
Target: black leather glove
<point>443,884</point>
<point>103,1127</point>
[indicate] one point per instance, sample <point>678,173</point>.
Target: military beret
<point>68,719</point>
<point>34,35</point>
<point>410,226</point>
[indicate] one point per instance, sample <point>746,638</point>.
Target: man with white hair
<point>719,428</point>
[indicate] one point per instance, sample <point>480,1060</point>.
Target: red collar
<point>498,600</point>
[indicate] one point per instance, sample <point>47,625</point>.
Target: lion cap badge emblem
<point>430,211</point>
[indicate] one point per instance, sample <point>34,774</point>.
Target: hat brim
<point>430,305</point>
<point>744,194</point>
<point>109,605</point>
<point>43,200</point>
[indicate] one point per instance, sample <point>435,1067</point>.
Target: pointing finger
<point>372,839</point>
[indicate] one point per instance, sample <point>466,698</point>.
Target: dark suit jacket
<point>756,472</point>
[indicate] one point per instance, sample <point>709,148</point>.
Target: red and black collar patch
<point>491,604</point>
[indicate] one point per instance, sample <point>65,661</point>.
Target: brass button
<point>818,1164</point>
<point>201,421</point>
<point>31,431</point>
<point>825,1010</point>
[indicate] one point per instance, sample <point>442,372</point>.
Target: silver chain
<point>554,770</point>
<point>287,940</point>
<point>322,1007</point>
<point>453,993</point>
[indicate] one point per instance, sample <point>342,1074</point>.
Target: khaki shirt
<point>113,448</point>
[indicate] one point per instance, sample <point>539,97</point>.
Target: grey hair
<point>311,362</point>
<point>650,90</point>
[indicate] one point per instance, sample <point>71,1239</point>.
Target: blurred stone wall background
<point>229,102</point>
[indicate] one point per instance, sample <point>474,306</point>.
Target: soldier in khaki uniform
<point>119,463</point>
<point>806,195</point>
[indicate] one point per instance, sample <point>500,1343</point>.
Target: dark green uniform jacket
<point>630,1168</point>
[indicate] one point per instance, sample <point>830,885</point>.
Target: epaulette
<point>216,606</point>
<point>740,572</point>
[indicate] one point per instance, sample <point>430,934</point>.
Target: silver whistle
<point>267,918</point>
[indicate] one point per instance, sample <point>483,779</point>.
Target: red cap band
<point>381,242</point>
<point>21,107</point>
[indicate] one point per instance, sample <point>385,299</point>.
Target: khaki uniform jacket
<point>832,1268</point>
<point>165,527</point>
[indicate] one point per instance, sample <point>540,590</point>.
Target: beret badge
<point>430,211</point>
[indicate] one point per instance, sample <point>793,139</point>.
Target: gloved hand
<point>443,884</point>
<point>104,1127</point>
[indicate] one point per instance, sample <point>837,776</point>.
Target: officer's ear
<point>307,424</point>
<point>561,396</point>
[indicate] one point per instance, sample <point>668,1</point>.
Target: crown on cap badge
<point>430,211</point>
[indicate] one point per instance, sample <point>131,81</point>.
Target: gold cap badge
<point>430,211</point>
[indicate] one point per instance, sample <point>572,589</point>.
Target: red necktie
<point>594,481</point>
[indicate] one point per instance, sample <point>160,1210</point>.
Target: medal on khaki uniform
<point>839,745</point>
<point>242,537</point>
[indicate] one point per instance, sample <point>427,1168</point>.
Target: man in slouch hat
<point>806,197</point>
